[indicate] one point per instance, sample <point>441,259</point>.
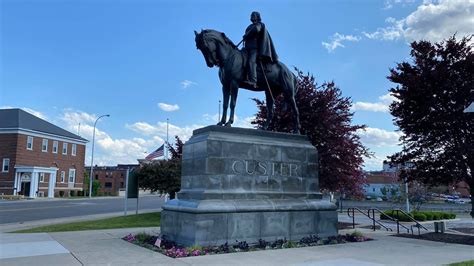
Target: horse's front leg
<point>225,104</point>
<point>234,88</point>
<point>269,100</point>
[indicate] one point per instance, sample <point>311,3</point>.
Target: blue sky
<point>71,61</point>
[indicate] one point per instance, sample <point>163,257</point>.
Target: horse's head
<point>208,47</point>
<point>208,42</point>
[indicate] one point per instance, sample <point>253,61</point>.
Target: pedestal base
<point>244,185</point>
<point>211,222</point>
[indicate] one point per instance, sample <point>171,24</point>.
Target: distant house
<point>381,184</point>
<point>111,178</point>
<point>38,159</point>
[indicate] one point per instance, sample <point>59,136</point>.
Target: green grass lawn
<point>141,220</point>
<point>463,263</point>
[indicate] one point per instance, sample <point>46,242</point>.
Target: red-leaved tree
<point>325,118</point>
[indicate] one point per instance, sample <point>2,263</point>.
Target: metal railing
<point>417,224</point>
<point>352,211</point>
<point>382,214</point>
<point>371,215</point>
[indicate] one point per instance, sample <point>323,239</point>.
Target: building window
<point>373,189</point>
<point>121,185</point>
<point>44,146</point>
<point>6,165</point>
<point>64,148</point>
<point>41,177</point>
<point>108,185</point>
<point>63,176</point>
<point>73,149</point>
<point>55,146</point>
<point>29,143</point>
<point>72,175</point>
<point>96,177</point>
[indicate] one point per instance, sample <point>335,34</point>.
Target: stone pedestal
<point>244,185</point>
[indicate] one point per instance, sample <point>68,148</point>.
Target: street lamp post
<point>92,157</point>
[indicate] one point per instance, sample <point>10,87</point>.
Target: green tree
<point>95,185</point>
<point>432,92</point>
<point>163,176</point>
<point>326,119</point>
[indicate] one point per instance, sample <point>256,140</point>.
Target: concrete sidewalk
<point>105,247</point>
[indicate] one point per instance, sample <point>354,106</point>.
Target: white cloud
<point>372,107</point>
<point>29,110</point>
<point>168,107</point>
<point>159,129</point>
<point>381,142</point>
<point>437,21</point>
<point>381,106</point>
<point>377,137</point>
<point>388,98</point>
<point>70,116</point>
<point>432,21</point>
<point>392,32</point>
<point>108,151</point>
<point>375,163</point>
<point>337,39</point>
<point>391,3</point>
<point>187,83</point>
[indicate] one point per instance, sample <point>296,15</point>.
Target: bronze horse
<point>218,50</point>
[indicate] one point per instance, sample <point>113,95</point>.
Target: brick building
<point>38,159</point>
<point>111,178</point>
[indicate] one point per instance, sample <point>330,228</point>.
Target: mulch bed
<point>446,238</point>
<point>465,230</point>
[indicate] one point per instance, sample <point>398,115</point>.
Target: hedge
<point>418,215</point>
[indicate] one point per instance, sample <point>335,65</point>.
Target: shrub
<point>437,216</point>
<point>419,216</point>
<point>446,215</point>
<point>142,237</point>
<point>429,215</point>
<point>241,245</point>
<point>262,244</point>
<point>289,244</point>
<point>310,240</point>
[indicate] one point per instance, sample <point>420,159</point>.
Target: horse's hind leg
<point>234,88</point>
<point>289,91</point>
<point>225,104</point>
<point>296,115</point>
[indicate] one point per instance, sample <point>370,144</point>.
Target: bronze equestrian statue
<point>272,76</point>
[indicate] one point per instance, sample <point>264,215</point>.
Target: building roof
<point>17,119</point>
<point>381,178</point>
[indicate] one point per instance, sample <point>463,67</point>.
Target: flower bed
<point>170,249</point>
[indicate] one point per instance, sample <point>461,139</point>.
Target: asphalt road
<point>33,210</point>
